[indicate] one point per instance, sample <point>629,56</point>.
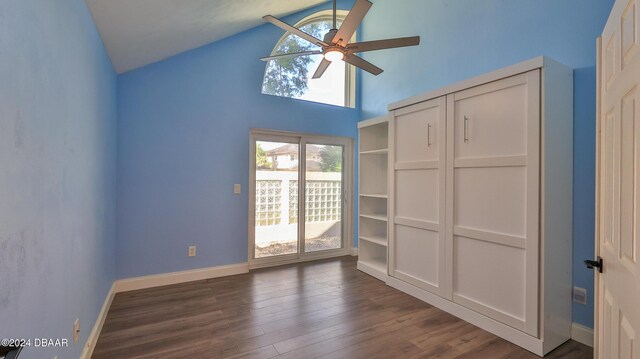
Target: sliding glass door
<point>276,198</point>
<point>323,197</point>
<point>293,175</point>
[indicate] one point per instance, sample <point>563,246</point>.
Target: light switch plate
<point>237,188</point>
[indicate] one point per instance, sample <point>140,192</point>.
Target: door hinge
<point>594,264</point>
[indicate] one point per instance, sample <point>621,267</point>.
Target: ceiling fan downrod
<point>335,10</point>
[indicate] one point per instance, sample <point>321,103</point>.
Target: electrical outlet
<point>76,330</point>
<point>579,295</point>
<point>192,251</point>
<point>237,188</point>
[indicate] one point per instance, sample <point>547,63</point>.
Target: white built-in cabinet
<point>480,201</point>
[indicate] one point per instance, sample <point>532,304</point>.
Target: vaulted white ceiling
<point>140,32</point>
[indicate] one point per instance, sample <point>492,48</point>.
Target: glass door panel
<point>276,198</point>
<point>323,197</point>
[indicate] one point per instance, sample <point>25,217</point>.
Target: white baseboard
<point>582,334</point>
<point>90,345</point>
<point>353,251</point>
<point>150,281</point>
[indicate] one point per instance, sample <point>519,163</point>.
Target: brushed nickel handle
<point>429,135</point>
<point>466,129</point>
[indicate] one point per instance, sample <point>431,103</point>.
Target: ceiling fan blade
<point>293,54</point>
<point>383,44</point>
<point>351,22</point>
<point>363,64</point>
<point>283,25</point>
<point>321,68</point>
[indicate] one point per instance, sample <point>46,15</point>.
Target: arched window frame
<point>350,71</point>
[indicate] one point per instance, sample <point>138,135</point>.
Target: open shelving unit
<point>373,194</point>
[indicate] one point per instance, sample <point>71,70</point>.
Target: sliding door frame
<point>302,139</point>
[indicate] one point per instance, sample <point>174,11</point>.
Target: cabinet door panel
<point>421,202</point>
<point>416,257</point>
<point>490,278</point>
<point>417,132</point>
<point>490,120</point>
<point>491,199</point>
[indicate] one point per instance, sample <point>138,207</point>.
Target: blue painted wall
<point>462,38</point>
<point>57,183</point>
<point>183,141</point>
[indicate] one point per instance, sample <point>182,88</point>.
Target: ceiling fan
<point>335,45</point>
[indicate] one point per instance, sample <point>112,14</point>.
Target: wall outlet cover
<point>237,188</point>
<point>579,295</point>
<point>192,251</point>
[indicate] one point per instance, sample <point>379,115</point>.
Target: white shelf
<point>379,240</point>
<point>373,173</point>
<point>377,217</point>
<point>375,136</point>
<point>382,151</point>
<point>373,121</point>
<point>374,195</point>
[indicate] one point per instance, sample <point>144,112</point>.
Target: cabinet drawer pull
<point>429,135</point>
<point>466,129</point>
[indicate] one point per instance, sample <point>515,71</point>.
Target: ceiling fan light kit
<point>333,54</point>
<point>335,45</point>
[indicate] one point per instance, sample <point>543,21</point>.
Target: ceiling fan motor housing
<point>328,37</point>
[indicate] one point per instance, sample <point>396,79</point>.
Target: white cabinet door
<point>417,252</point>
<point>493,199</point>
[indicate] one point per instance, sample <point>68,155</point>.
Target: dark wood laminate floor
<point>324,309</point>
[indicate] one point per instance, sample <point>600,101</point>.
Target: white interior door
<point>418,251</point>
<point>618,286</point>
<point>493,205</point>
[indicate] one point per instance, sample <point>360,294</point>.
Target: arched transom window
<point>291,77</point>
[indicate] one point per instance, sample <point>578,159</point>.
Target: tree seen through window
<point>291,77</point>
